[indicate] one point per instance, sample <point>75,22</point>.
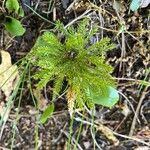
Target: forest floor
<point>126,126</point>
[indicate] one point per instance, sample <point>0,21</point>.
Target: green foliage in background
<point>80,64</point>
<point>11,24</point>
<point>12,5</point>
<point>47,113</point>
<point>14,26</point>
<point>135,4</point>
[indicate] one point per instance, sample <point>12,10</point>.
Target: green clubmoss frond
<point>81,66</point>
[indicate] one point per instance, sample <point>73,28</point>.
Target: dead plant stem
<point>137,111</point>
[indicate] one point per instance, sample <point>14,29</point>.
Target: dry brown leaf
<point>108,133</point>
<point>118,6</point>
<point>9,78</point>
<point>125,109</point>
<point>41,101</point>
<point>8,74</point>
<point>145,3</point>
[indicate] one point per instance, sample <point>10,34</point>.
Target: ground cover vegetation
<point>74,74</point>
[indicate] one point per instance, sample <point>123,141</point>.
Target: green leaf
<point>135,4</point>
<point>47,113</point>
<point>14,26</point>
<point>144,83</point>
<point>21,12</point>
<point>12,5</point>
<point>109,99</point>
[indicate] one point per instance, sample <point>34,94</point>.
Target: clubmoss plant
<point>75,60</point>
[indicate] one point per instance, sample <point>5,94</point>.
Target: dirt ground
<point>129,120</point>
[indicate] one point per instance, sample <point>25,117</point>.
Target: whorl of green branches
<point>76,61</point>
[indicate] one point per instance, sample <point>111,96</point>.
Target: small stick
<point>78,18</point>
<point>137,112</point>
